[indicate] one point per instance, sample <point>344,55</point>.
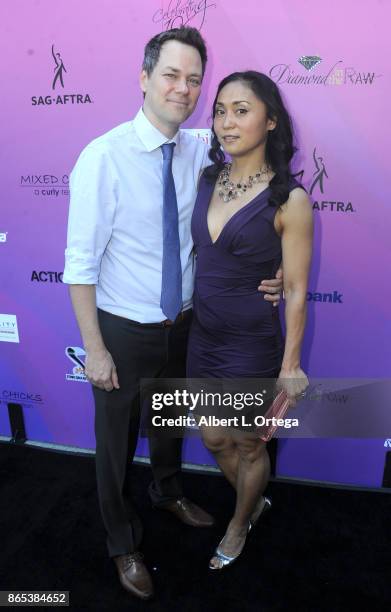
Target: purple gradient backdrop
<point>101,45</point>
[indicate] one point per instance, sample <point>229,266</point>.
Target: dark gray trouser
<point>139,351</point>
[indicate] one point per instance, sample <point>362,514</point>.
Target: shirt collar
<point>150,136</point>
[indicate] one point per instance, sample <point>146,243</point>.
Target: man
<point>129,266</point>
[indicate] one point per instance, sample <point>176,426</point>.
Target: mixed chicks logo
<point>46,184</point>
<point>56,81</point>
<point>9,396</point>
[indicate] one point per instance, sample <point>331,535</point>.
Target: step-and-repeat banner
<point>69,72</point>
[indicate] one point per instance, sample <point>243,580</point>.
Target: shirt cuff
<point>80,268</point>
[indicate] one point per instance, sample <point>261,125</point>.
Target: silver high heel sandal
<point>225,560</point>
<point>266,506</point>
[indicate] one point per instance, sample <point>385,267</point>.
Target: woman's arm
<point>295,224</point>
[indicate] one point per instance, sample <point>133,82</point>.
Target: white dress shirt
<point>115,236</point>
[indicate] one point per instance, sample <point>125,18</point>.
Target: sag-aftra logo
<point>57,80</point>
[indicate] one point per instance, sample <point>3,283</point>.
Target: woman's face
<point>240,122</point>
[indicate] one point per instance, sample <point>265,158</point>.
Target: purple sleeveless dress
<point>235,332</point>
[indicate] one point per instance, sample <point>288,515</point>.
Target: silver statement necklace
<point>230,191</point>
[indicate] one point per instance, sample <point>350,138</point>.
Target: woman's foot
<point>230,547</point>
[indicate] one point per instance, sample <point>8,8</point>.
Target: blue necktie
<point>171,295</point>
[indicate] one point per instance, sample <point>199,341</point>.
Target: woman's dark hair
<point>186,35</point>
<point>279,145</point>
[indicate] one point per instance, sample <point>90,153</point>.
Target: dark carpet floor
<point>318,549</point>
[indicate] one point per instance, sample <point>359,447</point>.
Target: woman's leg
<point>248,456</point>
<point>223,447</point>
<point>252,478</point>
<point>226,452</point>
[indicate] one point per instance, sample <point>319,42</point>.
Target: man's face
<point>173,87</point>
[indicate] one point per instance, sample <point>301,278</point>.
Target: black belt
<point>181,317</point>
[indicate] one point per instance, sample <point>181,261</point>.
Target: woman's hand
<point>273,288</point>
<point>294,382</point>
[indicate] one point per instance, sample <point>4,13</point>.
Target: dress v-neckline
<point>213,242</point>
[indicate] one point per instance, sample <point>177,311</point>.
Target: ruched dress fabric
<point>235,331</point>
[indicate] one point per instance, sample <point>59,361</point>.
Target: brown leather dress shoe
<point>188,512</point>
<point>134,576</point>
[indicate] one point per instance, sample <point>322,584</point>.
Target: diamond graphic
<point>309,61</point>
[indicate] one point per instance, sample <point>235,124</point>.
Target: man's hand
<point>272,288</point>
<point>101,371</point>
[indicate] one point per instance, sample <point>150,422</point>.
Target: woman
<point>249,215</point>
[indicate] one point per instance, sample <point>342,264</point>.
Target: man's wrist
<point>95,348</point>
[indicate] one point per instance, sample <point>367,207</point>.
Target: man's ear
<point>143,80</point>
